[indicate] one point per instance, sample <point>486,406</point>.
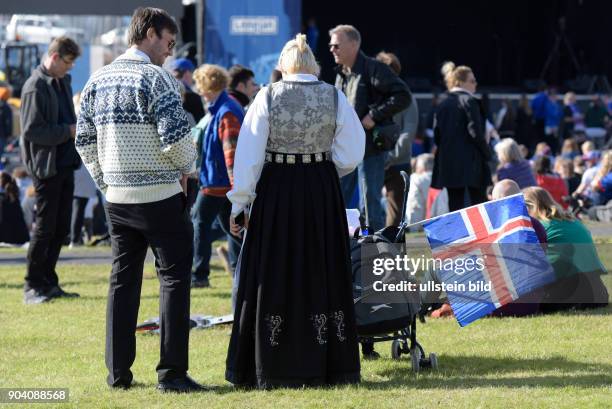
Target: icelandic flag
<point>489,254</point>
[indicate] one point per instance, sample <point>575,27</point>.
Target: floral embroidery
<point>274,323</point>
<point>319,322</point>
<point>339,322</point>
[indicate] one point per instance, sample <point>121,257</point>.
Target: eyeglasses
<point>67,62</point>
<point>171,44</point>
<point>333,46</point>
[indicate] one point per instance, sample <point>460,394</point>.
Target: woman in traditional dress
<point>294,323</point>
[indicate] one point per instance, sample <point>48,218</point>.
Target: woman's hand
<point>236,229</point>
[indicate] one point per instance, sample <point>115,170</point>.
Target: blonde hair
<point>567,98</point>
<point>587,147</point>
<point>210,78</point>
<point>454,75</point>
<point>604,168</point>
<point>508,151</point>
<point>298,57</point>
<point>349,31</point>
<point>542,206</point>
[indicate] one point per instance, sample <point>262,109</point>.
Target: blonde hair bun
<point>300,41</point>
<point>447,68</point>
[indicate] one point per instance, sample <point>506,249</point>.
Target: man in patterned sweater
<point>134,139</point>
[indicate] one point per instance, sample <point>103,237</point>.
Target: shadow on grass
<point>460,372</point>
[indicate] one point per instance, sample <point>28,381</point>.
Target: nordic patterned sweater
<point>132,132</point>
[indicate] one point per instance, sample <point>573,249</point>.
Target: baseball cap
<point>182,64</point>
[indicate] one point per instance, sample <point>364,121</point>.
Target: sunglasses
<point>171,44</point>
<point>334,46</point>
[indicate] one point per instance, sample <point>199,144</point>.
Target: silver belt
<point>293,158</point>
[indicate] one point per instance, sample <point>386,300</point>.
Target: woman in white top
<point>294,323</point>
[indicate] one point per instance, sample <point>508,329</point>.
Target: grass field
<point>556,361</point>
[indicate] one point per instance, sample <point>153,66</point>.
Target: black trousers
<point>394,185</point>
<point>53,211</point>
<point>165,227</point>
<point>78,213</point>
<point>456,197</point>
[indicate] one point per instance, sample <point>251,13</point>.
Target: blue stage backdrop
<point>250,32</point>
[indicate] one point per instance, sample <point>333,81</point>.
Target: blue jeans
<point>203,214</point>
<point>370,174</point>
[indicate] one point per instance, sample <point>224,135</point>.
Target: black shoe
<point>57,292</point>
<point>199,282</point>
<point>125,382</point>
<point>371,356</point>
<point>180,385</point>
<point>35,296</point>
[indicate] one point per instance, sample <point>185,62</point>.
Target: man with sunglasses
<point>377,94</point>
<point>135,140</point>
<point>47,139</point>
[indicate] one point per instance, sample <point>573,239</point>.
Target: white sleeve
<point>348,147</point>
<point>250,153</point>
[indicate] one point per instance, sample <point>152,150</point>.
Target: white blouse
<point>347,149</point>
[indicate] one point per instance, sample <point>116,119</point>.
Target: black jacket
<point>462,151</point>
<point>371,87</point>
<point>40,131</point>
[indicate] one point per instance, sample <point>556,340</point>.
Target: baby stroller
<point>394,317</point>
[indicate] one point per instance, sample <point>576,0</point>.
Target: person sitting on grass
<point>571,253</point>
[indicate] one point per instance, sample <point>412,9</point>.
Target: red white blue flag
<point>488,255</point>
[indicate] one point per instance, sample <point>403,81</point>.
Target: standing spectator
<point>398,159</point>
<point>525,134</point>
<point>6,117</point>
<point>570,149</point>
<point>13,229</point>
<point>47,149</point>
<point>242,85</point>
<point>550,181</point>
<point>294,320</point>
<point>377,94</point>
<point>84,191</point>
<point>538,108</point>
<point>597,120</point>
<point>183,68</point>
<point>551,122</point>
<point>572,119</point>
<point>217,168</point>
<point>505,121</point>
<point>512,165</point>
<point>139,155</point>
<point>462,151</point>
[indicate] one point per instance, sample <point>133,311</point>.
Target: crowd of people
<point>180,158</point>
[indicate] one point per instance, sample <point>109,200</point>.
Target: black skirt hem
<point>238,380</point>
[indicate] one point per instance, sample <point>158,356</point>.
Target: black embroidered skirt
<point>294,320</point>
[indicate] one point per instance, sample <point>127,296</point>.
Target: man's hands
<point>183,181</point>
<point>367,122</point>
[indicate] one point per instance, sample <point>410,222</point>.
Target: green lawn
<point>555,361</point>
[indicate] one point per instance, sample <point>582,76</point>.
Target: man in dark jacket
<point>182,69</point>
<point>47,148</point>
<point>377,94</point>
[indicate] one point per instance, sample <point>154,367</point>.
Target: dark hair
<point>239,73</point>
<point>10,186</point>
<point>391,60</point>
<point>145,18</point>
<point>542,165</point>
<point>275,76</point>
<point>65,47</point>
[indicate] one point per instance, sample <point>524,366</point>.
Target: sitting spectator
<point>13,229</point>
<point>420,181</point>
<point>28,205</point>
<point>551,182</point>
<point>591,160</point>
<point>512,165</point>
<point>23,180</point>
<point>565,168</point>
<point>570,150</point>
<point>527,304</point>
<point>601,185</point>
<point>571,253</point>
<point>587,147</point>
<point>579,166</point>
<point>542,149</point>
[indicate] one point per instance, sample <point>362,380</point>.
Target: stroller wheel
<point>396,349</point>
<point>433,360</point>
<point>415,359</point>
